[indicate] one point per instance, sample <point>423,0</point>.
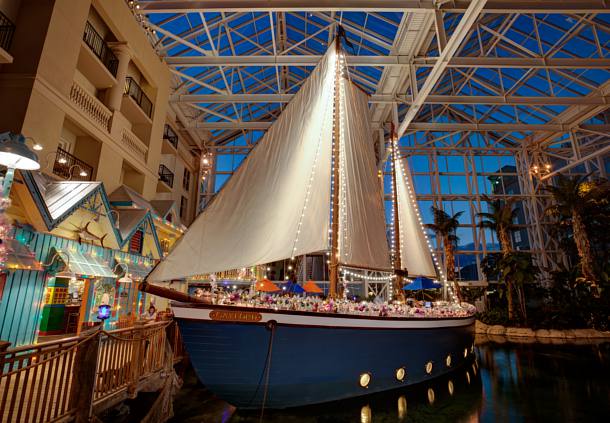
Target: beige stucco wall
<point>36,87</point>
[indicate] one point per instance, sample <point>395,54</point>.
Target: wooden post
<point>137,357</point>
<point>82,312</point>
<point>84,378</point>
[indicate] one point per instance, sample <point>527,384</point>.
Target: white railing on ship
<point>134,144</point>
<point>90,106</point>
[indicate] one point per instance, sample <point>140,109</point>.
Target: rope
<point>271,323</point>
<point>270,326</point>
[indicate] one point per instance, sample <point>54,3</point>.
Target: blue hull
<point>310,365</point>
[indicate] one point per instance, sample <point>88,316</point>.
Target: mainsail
<point>276,205</point>
<point>415,253</point>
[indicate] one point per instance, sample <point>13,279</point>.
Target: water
<point>507,383</point>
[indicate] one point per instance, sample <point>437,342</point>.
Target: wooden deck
<point>71,379</point>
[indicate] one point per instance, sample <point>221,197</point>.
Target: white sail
<point>362,229</point>
<point>415,253</point>
<point>276,205</point>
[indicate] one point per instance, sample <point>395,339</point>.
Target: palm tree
<point>500,218</point>
<point>445,227</point>
<point>571,196</point>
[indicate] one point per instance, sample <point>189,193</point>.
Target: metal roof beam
<point>427,126</point>
<point>454,6</point>
<point>461,31</point>
<point>405,99</point>
<point>394,60</point>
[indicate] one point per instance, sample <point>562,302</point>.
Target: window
<point>186,180</point>
<point>136,242</point>
<point>183,206</point>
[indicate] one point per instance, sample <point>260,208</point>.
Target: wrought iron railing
<point>135,91</point>
<point>70,167</point>
<point>170,135</point>
<point>166,175</point>
<point>7,29</point>
<point>99,47</point>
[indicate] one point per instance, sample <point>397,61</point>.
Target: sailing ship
<point>311,184</point>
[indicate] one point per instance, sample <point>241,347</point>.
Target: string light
<point>309,187</point>
<point>404,174</point>
<point>366,277</point>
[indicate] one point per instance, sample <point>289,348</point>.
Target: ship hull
<point>288,359</point>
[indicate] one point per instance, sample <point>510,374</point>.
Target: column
<point>114,96</point>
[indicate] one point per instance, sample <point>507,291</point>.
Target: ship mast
<point>396,223</point>
<point>334,251</point>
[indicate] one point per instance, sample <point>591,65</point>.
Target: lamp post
<point>15,154</point>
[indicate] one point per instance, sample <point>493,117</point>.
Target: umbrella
<point>293,287</point>
<point>265,285</point>
<point>422,283</point>
<point>311,288</point>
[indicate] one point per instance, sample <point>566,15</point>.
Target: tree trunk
<point>504,238</point>
<point>450,266</point>
<point>509,300</point>
<point>584,248</point>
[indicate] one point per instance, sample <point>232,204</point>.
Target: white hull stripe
<point>193,313</point>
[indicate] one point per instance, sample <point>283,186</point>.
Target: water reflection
<point>508,382</point>
<point>402,407</point>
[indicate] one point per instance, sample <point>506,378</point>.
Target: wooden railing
<point>134,144</point>
<point>66,379</point>
<point>91,106</point>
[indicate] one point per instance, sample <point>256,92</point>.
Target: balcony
<point>172,139</point>
<point>96,60</point>
<point>134,145</point>
<point>70,167</point>
<point>90,106</point>
<point>7,29</point>
<point>136,106</point>
<point>166,179</point>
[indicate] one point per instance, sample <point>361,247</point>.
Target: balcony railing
<point>7,29</point>
<point>135,91</point>
<point>99,47</point>
<point>170,135</point>
<point>70,167</point>
<point>91,106</point>
<point>166,175</point>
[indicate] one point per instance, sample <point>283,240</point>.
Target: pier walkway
<point>74,379</point>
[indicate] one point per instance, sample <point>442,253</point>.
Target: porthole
<point>450,387</point>
<point>448,360</point>
<point>364,380</point>
<point>429,367</point>
<point>465,352</point>
<point>431,396</point>
<point>400,374</point>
